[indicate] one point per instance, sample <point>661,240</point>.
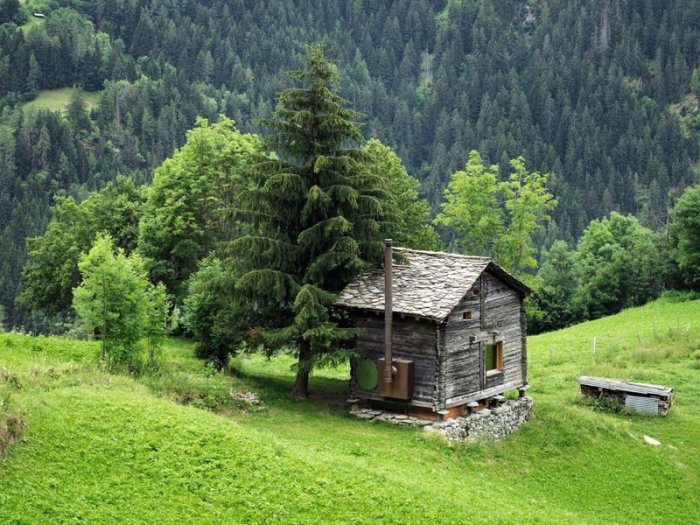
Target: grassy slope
<point>101,448</point>
<point>58,99</point>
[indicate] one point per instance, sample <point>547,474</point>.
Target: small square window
<point>493,360</point>
<point>467,315</point>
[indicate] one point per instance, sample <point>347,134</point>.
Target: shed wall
<point>412,339</point>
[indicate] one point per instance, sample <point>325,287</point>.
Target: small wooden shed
<point>454,332</point>
<point>644,398</point>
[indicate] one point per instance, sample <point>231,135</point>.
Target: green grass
<point>34,6</point>
<point>31,22</point>
<point>102,448</point>
<point>58,99</point>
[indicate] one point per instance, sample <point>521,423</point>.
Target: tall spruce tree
<point>318,216</point>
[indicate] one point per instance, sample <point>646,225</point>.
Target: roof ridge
<point>443,254</point>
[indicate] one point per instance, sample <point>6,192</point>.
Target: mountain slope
<point>101,448</point>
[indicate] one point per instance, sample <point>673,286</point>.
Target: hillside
<point>58,100</point>
<point>102,448</point>
<point>594,93</point>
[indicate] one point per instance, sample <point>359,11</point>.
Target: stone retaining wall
<point>487,424</point>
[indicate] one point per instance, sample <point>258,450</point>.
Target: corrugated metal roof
<point>643,405</point>
<point>625,386</point>
<point>427,284</point>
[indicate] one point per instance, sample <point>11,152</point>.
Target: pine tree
<point>317,211</point>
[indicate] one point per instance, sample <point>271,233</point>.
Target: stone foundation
<point>486,424</point>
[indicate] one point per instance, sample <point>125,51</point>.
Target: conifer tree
<point>318,215</point>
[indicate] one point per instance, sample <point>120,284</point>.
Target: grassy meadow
<point>176,447</point>
<point>34,6</point>
<point>58,99</point>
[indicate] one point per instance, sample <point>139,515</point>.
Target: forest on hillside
<point>601,95</point>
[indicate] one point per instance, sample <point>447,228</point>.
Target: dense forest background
<point>603,95</point>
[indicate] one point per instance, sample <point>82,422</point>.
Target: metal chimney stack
<point>388,311</point>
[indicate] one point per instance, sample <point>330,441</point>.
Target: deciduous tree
<point>184,215</point>
<point>618,266</point>
<point>527,204</point>
<point>553,303</point>
<point>52,270</point>
<point>410,215</point>
<point>471,210</point>
<point>686,231</point>
<point>486,216</point>
<point>111,300</point>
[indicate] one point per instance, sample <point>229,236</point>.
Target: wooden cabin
<point>454,333</point>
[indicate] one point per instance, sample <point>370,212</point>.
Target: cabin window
<point>494,357</point>
<point>467,315</point>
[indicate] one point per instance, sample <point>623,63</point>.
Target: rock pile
<point>246,398</point>
<point>486,424</point>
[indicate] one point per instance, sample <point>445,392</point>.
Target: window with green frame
<point>493,360</point>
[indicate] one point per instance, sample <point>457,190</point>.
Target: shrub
<point>116,302</point>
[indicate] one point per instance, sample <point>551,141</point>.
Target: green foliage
<point>213,313</point>
<point>486,216</point>
<point>111,301</point>
<point>585,93</point>
<point>156,322</point>
<point>678,296</point>
<point>553,304</point>
<point>9,9</point>
<point>316,211</point>
<point>116,302</point>
<point>527,204</point>
<point>686,230</point>
<point>471,210</point>
<point>192,193</point>
<point>618,265</point>
<point>52,270</point>
<point>410,216</point>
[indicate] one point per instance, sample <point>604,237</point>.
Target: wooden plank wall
<point>496,307</point>
<point>412,339</point>
<point>504,311</point>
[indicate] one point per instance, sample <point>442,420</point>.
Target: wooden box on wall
<point>401,386</point>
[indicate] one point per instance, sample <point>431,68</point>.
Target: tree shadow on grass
<point>323,391</point>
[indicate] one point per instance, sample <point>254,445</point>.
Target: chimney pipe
<point>388,311</point>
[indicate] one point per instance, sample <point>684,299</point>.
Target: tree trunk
<point>301,383</point>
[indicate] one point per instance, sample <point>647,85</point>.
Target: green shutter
<point>490,361</point>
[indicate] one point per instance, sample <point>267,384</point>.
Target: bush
<point>116,303</point>
<point>679,296</point>
<point>212,314</point>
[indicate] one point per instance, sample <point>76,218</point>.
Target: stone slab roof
<point>425,284</point>
<point>622,385</point>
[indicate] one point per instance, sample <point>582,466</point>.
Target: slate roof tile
<point>426,284</point>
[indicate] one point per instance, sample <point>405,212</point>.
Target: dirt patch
<point>11,427</point>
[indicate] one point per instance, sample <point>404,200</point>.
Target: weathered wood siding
<point>412,339</point>
<point>495,307</point>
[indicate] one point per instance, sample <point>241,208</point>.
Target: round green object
<point>366,375</point>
